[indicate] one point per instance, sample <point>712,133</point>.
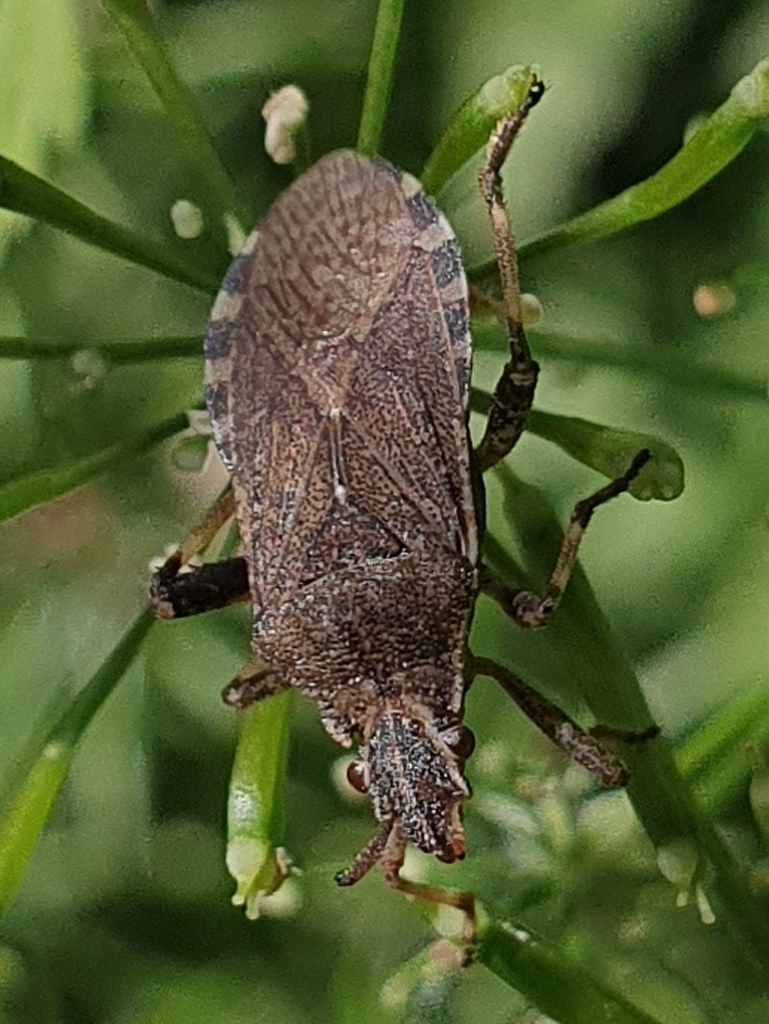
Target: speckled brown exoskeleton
<point>337,379</point>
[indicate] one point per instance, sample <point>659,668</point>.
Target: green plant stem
<point>716,142</point>
<point>24,493</point>
<point>255,802</point>
<point>112,350</point>
<point>23,192</point>
<point>134,21</point>
<point>27,810</point>
<point>579,655</point>
<point>536,968</point>
<point>380,71</point>
<point>662,361</point>
<point>562,990</point>
<point>469,128</point>
<point>711,757</point>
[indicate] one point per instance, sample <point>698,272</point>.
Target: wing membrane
<point>337,379</point>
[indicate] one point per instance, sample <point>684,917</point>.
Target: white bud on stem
<point>285,112</point>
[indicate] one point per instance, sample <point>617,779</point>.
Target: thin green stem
<point>542,972</point>
<point>662,360</point>
<point>134,21</point>
<point>470,126</point>
<point>43,485</point>
<point>581,656</point>
<point>28,808</point>
<point>562,990</point>
<point>23,192</point>
<point>380,71</point>
<point>255,802</point>
<point>113,350</point>
<point>716,142</point>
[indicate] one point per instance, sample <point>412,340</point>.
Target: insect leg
<point>370,855</point>
<point>579,744</point>
<point>208,586</point>
<point>391,862</point>
<point>531,610</point>
<point>203,589</point>
<point>515,390</point>
<point>253,683</point>
<point>387,849</point>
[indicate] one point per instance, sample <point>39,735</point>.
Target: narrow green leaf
<point>25,193</point>
<point>716,142</point>
<point>380,72</point>
<point>27,809</point>
<point>112,350</point>
<point>531,965</point>
<point>134,20</point>
<point>560,989</point>
<point>469,128</point>
<point>24,493</point>
<point>661,361</point>
<point>583,657</point>
<point>44,96</point>
<point>610,451</point>
<point>255,803</point>
<point>606,449</point>
<point>711,757</point>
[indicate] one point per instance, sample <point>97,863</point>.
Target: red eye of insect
<point>461,741</point>
<point>357,776</point>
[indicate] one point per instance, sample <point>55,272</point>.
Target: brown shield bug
<point>337,381</point>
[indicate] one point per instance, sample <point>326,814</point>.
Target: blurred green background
<point>124,914</point>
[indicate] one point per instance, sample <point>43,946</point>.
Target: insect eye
<point>461,741</point>
<point>357,776</point>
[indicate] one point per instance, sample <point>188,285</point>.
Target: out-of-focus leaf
<point>380,72</point>
<point>27,810</point>
<point>19,495</point>
<point>660,361</point>
<point>43,92</point>
<point>112,350</point>
<point>25,193</point>
<point>135,22</point>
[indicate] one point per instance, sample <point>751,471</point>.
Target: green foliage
<point>578,890</point>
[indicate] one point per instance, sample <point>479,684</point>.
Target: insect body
<point>337,378</point>
<point>338,367</point>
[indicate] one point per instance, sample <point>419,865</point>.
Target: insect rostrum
<point>337,377</point>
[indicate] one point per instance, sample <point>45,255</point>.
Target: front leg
<point>388,849</point>
<point>515,390</point>
<point>203,589</point>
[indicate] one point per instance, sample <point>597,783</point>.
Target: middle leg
<point>530,610</point>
